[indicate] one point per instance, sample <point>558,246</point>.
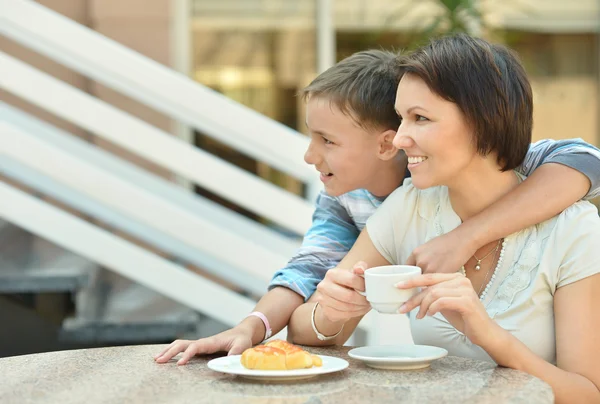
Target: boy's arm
<point>562,172</point>
<point>325,244</point>
<point>329,239</point>
<point>573,153</point>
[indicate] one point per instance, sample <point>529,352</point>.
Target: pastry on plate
<point>278,355</point>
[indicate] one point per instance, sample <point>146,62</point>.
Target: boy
<point>351,119</point>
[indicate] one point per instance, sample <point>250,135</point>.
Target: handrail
<point>195,204</point>
<point>61,164</point>
<point>129,260</point>
<point>133,134</point>
<point>81,203</point>
<point>153,84</point>
<point>159,186</point>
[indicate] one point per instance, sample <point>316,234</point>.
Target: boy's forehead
<point>327,110</point>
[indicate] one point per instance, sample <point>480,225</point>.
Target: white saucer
<point>398,357</point>
<point>232,365</point>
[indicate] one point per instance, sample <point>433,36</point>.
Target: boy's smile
<point>325,176</point>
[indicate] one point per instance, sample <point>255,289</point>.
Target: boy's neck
<point>390,177</point>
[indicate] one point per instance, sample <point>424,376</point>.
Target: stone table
<point>130,375</point>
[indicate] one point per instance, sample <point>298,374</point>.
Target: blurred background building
<point>259,53</point>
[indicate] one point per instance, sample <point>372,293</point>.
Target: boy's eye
<point>327,141</point>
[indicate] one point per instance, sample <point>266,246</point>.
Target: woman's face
<point>434,134</point>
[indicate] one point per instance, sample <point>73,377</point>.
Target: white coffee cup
<point>380,290</point>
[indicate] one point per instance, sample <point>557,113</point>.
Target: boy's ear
<point>387,150</point>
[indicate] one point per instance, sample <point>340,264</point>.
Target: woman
<point>530,301</point>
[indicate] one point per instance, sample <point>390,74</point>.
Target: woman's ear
<point>387,150</point>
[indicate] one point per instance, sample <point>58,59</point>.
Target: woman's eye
<point>420,118</point>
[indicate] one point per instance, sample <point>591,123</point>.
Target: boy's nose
<point>311,156</point>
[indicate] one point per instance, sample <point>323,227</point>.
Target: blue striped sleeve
<point>574,153</point>
<point>330,237</point>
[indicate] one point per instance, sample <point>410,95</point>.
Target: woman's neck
<point>478,187</point>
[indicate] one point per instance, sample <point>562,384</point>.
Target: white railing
<point>151,83</point>
<point>129,260</point>
<point>135,135</point>
<point>59,163</point>
<point>267,239</point>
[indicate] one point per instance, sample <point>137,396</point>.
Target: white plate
<point>398,357</point>
<point>232,365</point>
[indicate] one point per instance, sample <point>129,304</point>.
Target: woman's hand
<point>338,298</point>
<point>453,296</point>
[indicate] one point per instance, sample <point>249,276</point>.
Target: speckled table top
<point>129,375</point>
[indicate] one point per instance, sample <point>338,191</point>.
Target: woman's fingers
<point>453,286</point>
<point>449,303</point>
<point>345,278</point>
<point>434,294</point>
<point>338,295</point>
<point>335,315</point>
<point>427,280</point>
<point>359,268</point>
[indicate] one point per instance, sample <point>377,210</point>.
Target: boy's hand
<point>338,294</point>
<point>234,341</point>
<point>445,254</point>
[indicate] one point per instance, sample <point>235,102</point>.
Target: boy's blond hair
<point>363,86</point>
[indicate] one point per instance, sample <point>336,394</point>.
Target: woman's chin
<point>422,183</point>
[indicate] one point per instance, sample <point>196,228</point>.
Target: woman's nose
<point>402,140</point>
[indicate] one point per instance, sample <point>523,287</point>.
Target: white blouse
<point>537,261</point>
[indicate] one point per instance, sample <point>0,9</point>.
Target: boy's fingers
<point>202,346</point>
<point>238,347</point>
<point>209,345</point>
<point>411,260</point>
<point>188,354</point>
<point>173,350</point>
<point>161,353</point>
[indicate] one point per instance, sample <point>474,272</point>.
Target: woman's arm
<point>576,378</point>
<point>339,303</point>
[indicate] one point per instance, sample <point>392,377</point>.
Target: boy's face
<point>345,154</point>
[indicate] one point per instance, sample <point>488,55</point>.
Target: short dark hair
<point>489,85</point>
<point>363,86</point>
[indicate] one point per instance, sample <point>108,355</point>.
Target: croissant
<point>278,355</point>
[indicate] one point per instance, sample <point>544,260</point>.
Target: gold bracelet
<point>320,336</point>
